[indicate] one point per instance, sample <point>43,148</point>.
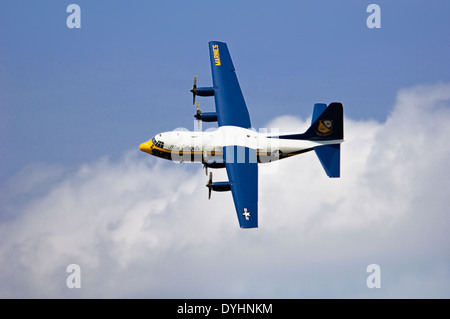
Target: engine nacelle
<point>220,186</point>
<point>206,116</point>
<point>213,159</point>
<point>214,164</point>
<point>217,186</point>
<point>203,91</point>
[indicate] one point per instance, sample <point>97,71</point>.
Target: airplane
<point>238,148</point>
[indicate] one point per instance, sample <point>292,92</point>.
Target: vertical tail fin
<point>329,125</point>
<point>317,111</point>
<point>321,123</point>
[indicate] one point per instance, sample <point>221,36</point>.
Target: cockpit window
<point>157,143</point>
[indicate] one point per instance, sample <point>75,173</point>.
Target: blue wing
<point>240,162</point>
<point>242,170</point>
<point>230,103</point>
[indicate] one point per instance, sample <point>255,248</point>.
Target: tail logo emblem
<point>325,127</point>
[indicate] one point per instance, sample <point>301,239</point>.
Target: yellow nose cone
<point>146,147</point>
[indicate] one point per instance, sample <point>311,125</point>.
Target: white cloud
<point>143,227</point>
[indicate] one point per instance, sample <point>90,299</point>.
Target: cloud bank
<point>141,227</point>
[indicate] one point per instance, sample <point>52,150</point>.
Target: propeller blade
<point>194,90</point>
<point>209,185</point>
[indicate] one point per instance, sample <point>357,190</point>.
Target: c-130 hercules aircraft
<point>238,148</point>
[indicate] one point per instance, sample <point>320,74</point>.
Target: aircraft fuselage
<point>207,146</point>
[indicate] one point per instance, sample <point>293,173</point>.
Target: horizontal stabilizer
<point>330,158</point>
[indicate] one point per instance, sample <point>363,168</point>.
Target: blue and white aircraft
<point>237,147</point>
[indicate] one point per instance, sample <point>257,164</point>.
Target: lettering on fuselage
<point>183,148</point>
<point>216,54</point>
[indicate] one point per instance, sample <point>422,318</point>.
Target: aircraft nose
<point>146,147</point>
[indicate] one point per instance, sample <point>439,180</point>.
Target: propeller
<point>194,90</point>
<point>209,185</point>
<point>198,115</point>
<point>202,91</point>
<point>199,112</point>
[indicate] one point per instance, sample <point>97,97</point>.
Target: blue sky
<point>72,95</point>
<point>73,101</point>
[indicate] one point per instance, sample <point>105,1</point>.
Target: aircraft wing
<point>230,105</point>
<point>242,169</point>
<point>240,162</point>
